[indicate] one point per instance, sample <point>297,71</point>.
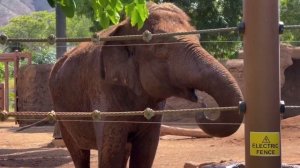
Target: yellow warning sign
<point>264,144</point>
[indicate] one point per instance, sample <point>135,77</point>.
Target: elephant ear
<point>105,33</point>
<point>117,60</point>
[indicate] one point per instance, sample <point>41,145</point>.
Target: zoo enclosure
<point>14,57</point>
<point>261,40</point>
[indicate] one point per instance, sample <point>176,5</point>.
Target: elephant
<point>132,75</point>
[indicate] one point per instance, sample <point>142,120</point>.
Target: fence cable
<point>146,36</point>
<point>97,115</point>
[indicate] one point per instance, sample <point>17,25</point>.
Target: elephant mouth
<point>192,96</point>
<point>189,94</point>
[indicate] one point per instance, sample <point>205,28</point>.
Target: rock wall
<point>289,76</point>
<point>33,91</point>
<point>290,91</point>
<point>287,53</point>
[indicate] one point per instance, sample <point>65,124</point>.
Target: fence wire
<point>146,36</point>
<point>97,115</point>
<point>38,121</point>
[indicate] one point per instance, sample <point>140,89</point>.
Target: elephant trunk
<point>208,75</point>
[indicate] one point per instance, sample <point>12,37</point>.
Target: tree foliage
<point>290,15</point>
<point>206,14</point>
<point>41,25</point>
<point>210,14</point>
<point>105,12</point>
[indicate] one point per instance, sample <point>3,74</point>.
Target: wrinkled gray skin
<point>117,76</point>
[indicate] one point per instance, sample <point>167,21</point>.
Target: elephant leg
<point>144,147</point>
<point>80,157</point>
<point>112,151</point>
<point>56,132</point>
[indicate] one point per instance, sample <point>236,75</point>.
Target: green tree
<point>105,12</point>
<point>209,14</point>
<point>290,15</point>
<point>205,14</point>
<point>41,25</point>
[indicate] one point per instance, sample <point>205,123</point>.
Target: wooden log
<point>196,133</point>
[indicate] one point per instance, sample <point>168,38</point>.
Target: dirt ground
<point>32,148</point>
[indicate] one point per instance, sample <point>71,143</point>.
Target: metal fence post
<point>262,117</point>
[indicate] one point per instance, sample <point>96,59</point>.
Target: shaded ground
<point>31,148</point>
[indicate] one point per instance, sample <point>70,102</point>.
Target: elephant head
<point>172,66</point>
